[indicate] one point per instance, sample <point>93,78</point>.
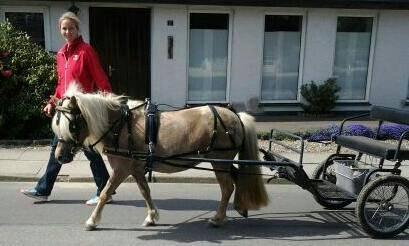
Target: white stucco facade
<point>388,70</point>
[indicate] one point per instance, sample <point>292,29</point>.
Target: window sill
<point>192,105</point>
<point>264,104</point>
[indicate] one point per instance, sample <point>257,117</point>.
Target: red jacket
<point>79,63</point>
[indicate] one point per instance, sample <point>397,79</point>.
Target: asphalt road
<point>292,218</point>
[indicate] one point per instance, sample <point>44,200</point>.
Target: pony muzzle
<point>65,151</point>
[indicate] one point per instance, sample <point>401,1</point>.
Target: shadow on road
<point>293,226</point>
<point>162,204</point>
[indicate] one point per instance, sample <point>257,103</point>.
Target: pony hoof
<point>148,223</point>
<point>90,227</point>
<point>244,213</point>
<point>216,222</point>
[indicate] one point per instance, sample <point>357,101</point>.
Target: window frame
<point>406,101</point>
<point>374,17</point>
<point>303,15</point>
<point>229,48</point>
<point>31,9</point>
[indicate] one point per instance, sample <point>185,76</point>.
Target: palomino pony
<point>87,120</point>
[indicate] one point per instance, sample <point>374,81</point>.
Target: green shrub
<point>24,93</point>
<point>263,135</point>
<point>320,98</point>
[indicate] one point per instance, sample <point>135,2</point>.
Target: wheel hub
<point>386,206</point>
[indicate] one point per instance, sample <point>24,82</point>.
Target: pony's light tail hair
<point>250,190</point>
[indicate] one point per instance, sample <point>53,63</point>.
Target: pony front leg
<point>114,181</point>
<point>95,217</point>
<point>152,213</point>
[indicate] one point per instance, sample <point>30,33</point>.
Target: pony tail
<point>250,190</point>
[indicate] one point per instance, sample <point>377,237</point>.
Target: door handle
<point>110,70</point>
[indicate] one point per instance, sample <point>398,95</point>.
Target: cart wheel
<point>383,206</point>
<point>329,176</point>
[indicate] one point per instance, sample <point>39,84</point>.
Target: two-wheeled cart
<point>380,192</point>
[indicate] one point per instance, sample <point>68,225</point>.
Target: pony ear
<point>73,101</point>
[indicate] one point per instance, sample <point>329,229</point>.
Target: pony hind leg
<point>225,181</point>
<point>114,181</point>
<point>242,211</point>
<point>152,213</point>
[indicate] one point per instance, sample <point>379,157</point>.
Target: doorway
<point>121,36</point>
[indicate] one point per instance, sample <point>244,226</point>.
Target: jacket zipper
<point>65,74</point>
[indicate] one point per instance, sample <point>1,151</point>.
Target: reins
<point>142,156</point>
<point>127,112</point>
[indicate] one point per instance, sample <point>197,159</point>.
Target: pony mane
<point>73,89</point>
<point>95,109</point>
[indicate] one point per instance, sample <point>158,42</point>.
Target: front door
<point>121,36</point>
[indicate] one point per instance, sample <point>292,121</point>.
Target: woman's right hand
<point>48,110</point>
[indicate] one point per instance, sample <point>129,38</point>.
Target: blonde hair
<point>70,16</point>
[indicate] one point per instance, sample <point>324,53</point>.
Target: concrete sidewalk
<point>29,163</point>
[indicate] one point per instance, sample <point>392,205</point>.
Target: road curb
<point>25,142</point>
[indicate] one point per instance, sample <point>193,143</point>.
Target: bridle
<point>74,124</point>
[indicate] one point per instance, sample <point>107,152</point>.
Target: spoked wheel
<point>383,206</point>
<point>328,175</point>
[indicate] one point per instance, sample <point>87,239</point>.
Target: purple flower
<point>359,130</point>
<point>326,134</point>
<point>392,131</point>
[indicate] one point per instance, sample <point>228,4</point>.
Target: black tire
<point>382,207</point>
<point>329,176</point>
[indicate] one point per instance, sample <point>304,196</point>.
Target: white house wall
<point>391,66</point>
<point>169,76</point>
<point>389,78</point>
<point>247,58</point>
<point>320,36</point>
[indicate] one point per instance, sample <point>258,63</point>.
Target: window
<point>34,20</point>
<point>31,23</point>
<point>352,54</point>
<point>407,93</point>
<point>281,58</point>
<point>208,57</point>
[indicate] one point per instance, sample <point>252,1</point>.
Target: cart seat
<point>372,147</point>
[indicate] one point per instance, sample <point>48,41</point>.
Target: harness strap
<point>217,116</point>
<point>151,131</point>
<point>130,139</point>
<point>122,120</point>
<point>91,147</point>
<point>151,122</point>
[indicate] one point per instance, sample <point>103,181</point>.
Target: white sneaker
<point>94,201</point>
<point>34,194</point>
